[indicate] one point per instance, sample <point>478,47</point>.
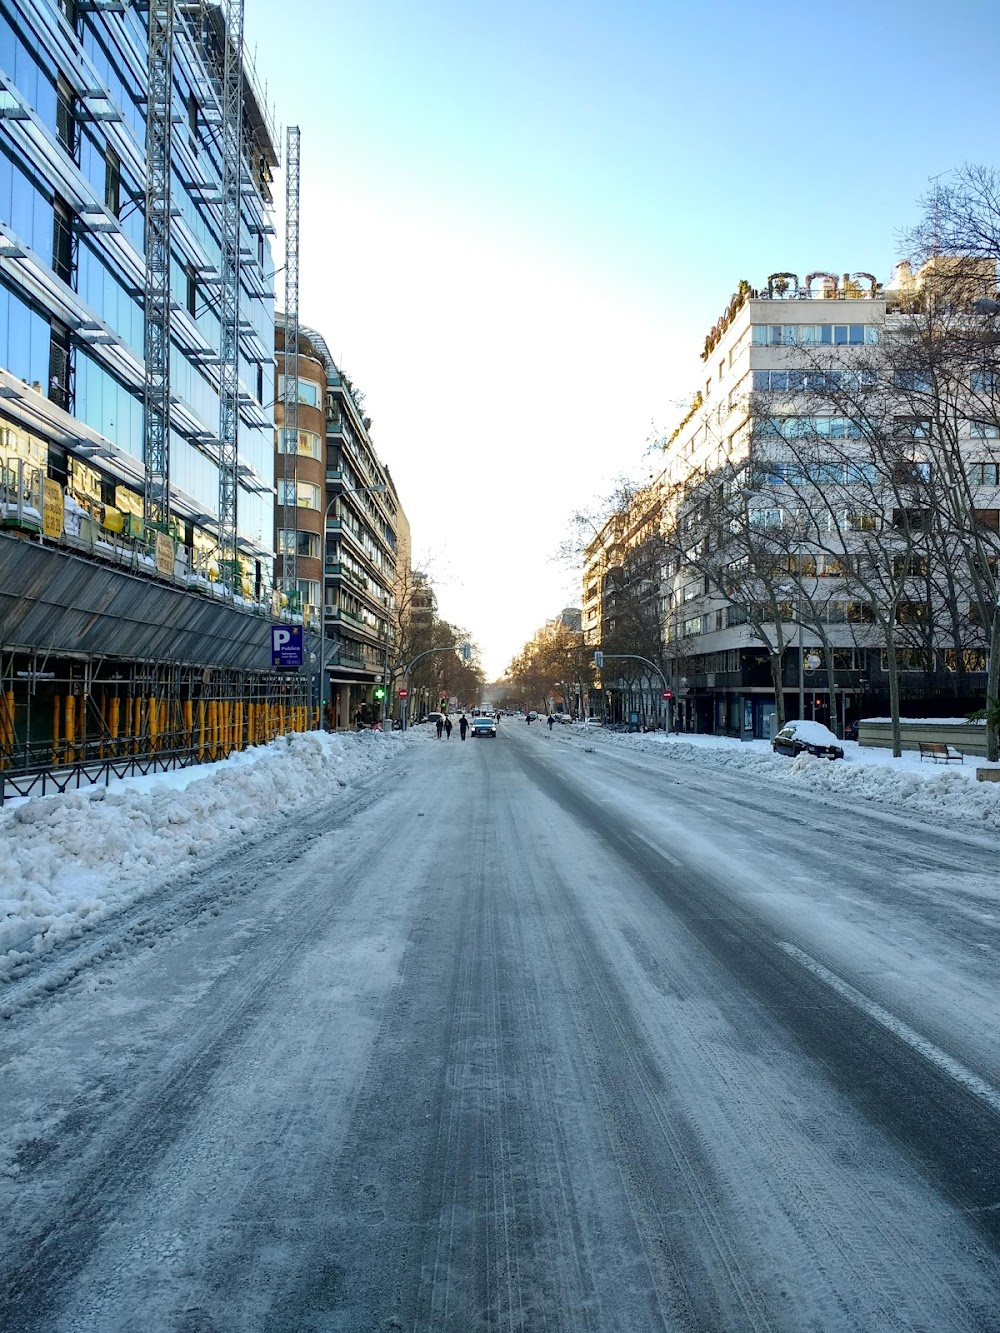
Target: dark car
<point>484,726</point>
<point>851,730</point>
<point>811,737</point>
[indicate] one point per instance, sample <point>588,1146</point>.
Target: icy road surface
<point>522,1037</point>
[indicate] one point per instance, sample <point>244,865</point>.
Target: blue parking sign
<point>286,645</point>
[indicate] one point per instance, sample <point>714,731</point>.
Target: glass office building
<point>72,267</point>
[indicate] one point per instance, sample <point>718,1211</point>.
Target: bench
<point>940,750</point>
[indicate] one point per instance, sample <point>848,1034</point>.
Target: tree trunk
<point>890,652</point>
<point>992,685</point>
<point>775,660</point>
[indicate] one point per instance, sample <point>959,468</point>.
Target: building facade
<point>133,623</point>
<point>72,181</point>
<point>350,531</point>
<point>809,526</point>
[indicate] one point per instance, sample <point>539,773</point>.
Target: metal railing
<point>94,771</point>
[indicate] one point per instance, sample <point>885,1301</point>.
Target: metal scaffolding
<point>156,396</point>
<point>289,550</point>
<point>231,142</point>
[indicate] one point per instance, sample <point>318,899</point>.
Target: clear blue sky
<point>520,221</point>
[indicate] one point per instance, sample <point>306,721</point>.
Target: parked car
<point>812,737</point>
<point>484,726</point>
<point>851,730</point>
<point>564,718</point>
<point>433,717</point>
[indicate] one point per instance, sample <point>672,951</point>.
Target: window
<point>807,335</point>
<point>722,367</point>
<point>192,117</point>
<point>303,494</point>
<point>66,126</point>
<point>260,383</point>
<point>797,428</point>
<point>692,626</point>
<point>912,381</point>
<point>914,519</point>
<point>59,366</point>
<point>910,566</point>
<point>908,659</point>
<point>766,518</point>
<point>309,393</point>
<point>983,474</point>
<point>190,291</point>
<point>112,182</point>
<point>985,430</point>
<point>812,381</point>
<point>983,381</point>
<point>719,618</point>
<point>970,659</point>
<point>859,613</point>
<point>303,543</point>
<point>310,444</point>
<point>63,241</point>
<point>988,518</point>
<point>736,615</point>
<point>844,659</point>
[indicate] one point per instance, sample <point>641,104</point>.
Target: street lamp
<point>351,490</point>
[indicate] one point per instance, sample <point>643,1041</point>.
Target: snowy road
<point>523,1037</point>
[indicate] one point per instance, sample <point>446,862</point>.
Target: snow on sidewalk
<point>67,861</point>
<point>947,793</point>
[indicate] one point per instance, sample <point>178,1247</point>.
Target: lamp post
<point>353,490</point>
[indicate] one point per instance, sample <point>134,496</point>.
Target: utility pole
<point>156,309</point>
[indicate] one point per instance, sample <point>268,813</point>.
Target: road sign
<point>404,694</point>
<point>286,645</point>
<point>466,652</point>
<point>598,658</point>
<point>668,694</point>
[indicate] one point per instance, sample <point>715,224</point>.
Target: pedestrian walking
<point>552,722</point>
<point>447,728</point>
<point>440,727</point>
<point>463,725</point>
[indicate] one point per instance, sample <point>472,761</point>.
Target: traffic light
<point>444,700</point>
<point>379,692</point>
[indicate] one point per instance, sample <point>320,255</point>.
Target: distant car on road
<point>532,716</point>
<point>811,737</point>
<point>564,718</point>
<point>434,717</point>
<point>484,726</point>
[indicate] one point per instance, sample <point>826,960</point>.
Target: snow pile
<point>947,793</point>
<point>67,861</point>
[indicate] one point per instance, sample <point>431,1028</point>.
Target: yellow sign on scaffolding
<point>164,555</point>
<point>52,508</point>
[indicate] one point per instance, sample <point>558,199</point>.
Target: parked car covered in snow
<point>812,737</point>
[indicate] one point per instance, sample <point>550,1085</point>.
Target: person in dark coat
<point>440,727</point>
<point>463,725</point>
<point>447,728</point>
<point>552,722</point>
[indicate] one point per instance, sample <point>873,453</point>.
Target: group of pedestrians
<point>444,727</point>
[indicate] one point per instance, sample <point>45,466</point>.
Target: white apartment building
<point>772,369</point>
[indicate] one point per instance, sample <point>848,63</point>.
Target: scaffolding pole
<point>289,549</point>
<point>229,289</point>
<point>156,390</point>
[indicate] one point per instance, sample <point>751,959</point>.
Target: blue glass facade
<point>72,170</point>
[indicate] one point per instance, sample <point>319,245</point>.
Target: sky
<point>519,222</point>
